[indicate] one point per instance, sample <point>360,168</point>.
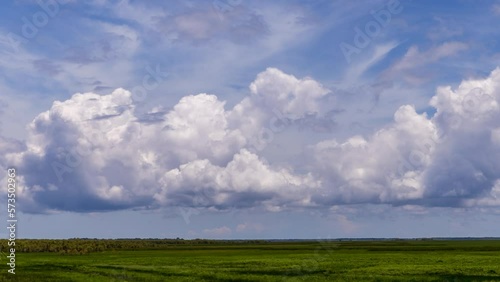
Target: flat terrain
<point>398,260</point>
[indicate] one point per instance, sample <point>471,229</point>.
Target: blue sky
<point>252,119</point>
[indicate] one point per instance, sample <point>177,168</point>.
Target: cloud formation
<point>94,152</point>
<point>444,160</point>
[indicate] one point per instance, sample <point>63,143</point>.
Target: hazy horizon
<point>251,119</point>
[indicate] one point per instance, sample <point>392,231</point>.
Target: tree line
<point>79,246</point>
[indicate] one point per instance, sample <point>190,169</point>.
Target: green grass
<point>477,260</point>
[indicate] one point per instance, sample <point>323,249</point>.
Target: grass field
<point>401,260</point>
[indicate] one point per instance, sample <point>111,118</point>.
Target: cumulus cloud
<point>466,164</point>
<point>284,92</point>
<point>444,160</point>
<point>93,152</point>
<point>386,167</point>
<point>246,181</point>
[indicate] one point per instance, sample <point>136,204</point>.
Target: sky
<point>239,119</point>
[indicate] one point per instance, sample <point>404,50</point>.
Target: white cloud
<point>444,160</point>
<point>384,168</point>
<point>283,92</point>
<point>246,181</point>
<point>93,152</point>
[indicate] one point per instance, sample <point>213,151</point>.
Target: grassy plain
<point>396,260</point>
